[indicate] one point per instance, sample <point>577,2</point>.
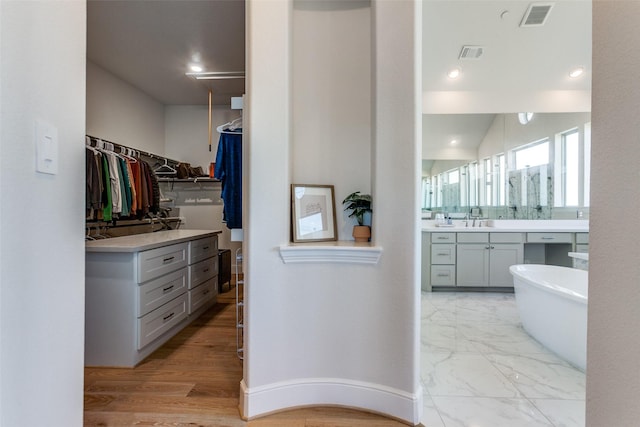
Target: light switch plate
<point>46,148</point>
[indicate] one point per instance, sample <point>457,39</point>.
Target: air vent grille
<point>471,52</point>
<point>536,15</point>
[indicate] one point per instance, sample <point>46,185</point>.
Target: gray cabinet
<point>483,259</point>
<point>140,294</point>
<point>443,259</point>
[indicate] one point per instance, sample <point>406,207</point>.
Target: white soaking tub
<point>552,302</point>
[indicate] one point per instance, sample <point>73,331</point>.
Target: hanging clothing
<point>94,181</point>
<point>229,170</point>
<point>106,194</point>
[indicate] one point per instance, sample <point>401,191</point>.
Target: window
<point>572,172</point>
<point>488,182</point>
<point>473,184</point>
<point>501,176</point>
<point>531,155</point>
<point>571,166</point>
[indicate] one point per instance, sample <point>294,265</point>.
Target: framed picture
<point>313,213</point>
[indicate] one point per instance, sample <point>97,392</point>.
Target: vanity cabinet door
<point>502,257</point>
<point>473,264</point>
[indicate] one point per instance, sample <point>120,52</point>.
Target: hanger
<point>231,126</point>
<point>165,169</point>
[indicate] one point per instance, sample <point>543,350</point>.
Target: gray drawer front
<point>506,238</point>
<point>443,254</point>
<point>202,271</point>
<point>157,292</point>
<point>202,249</point>
<point>550,237</point>
<point>159,321</point>
<point>582,238</point>
<point>202,294</point>
<point>443,237</point>
<point>158,262</point>
<point>473,237</point>
<point>443,275</point>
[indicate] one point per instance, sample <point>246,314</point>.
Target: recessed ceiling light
<point>454,73</point>
<point>454,142</point>
<point>576,72</point>
<point>196,68</point>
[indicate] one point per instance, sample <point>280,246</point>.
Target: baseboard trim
<point>264,400</point>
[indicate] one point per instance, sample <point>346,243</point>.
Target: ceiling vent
<point>536,15</point>
<point>471,52</point>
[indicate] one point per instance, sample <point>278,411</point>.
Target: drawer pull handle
<point>167,317</point>
<point>205,292</point>
<point>443,274</point>
<point>443,253</point>
<point>487,247</point>
<point>205,270</point>
<point>442,238</point>
<point>165,290</point>
<point>166,260</point>
<point>547,238</point>
<point>205,248</point>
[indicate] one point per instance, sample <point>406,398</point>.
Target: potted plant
<point>359,204</point>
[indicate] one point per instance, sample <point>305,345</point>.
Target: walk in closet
<point>163,171</point>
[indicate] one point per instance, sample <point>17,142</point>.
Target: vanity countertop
<point>146,241</point>
<point>508,225</point>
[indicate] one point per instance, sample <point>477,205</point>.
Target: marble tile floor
<point>480,368</point>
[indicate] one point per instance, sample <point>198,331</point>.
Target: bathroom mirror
<point>507,169</point>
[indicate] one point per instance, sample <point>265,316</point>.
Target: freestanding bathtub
<point>552,302</point>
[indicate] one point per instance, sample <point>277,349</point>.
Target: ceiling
<point>521,68</point>
<point>150,44</point>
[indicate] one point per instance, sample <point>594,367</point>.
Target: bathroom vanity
<point>459,257</point>
<point>143,289</point>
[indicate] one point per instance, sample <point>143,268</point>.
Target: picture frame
<point>313,213</point>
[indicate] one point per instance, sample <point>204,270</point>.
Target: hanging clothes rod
<point>142,153</point>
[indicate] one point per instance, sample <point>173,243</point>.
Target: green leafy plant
<point>358,204</point>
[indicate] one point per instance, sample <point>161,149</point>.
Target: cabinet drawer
<point>549,237</point>
<point>582,248</point>
<point>157,292</point>
<point>158,262</point>
<point>443,237</point>
<point>473,237</point>
<point>443,254</point>
<point>203,270</point>
<point>443,275</point>
<point>202,248</point>
<point>202,294</point>
<point>506,238</point>
<point>159,321</point>
<point>582,238</point>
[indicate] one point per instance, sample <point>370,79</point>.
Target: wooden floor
<point>193,380</point>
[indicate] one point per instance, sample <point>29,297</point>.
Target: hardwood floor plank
<point>140,387</point>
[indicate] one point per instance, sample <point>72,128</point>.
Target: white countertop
<point>512,225</point>
<point>579,255</point>
<point>146,241</point>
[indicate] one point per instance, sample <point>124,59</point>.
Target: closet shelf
<point>343,252</point>
<point>193,180</point>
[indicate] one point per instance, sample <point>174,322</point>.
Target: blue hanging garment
<point>229,171</point>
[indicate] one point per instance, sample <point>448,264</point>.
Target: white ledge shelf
<point>343,252</point>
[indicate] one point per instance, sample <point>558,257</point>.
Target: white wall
<point>345,334</point>
<point>506,132</point>
<point>331,115</point>
<point>122,113</point>
<point>613,346</point>
<point>42,77</point>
